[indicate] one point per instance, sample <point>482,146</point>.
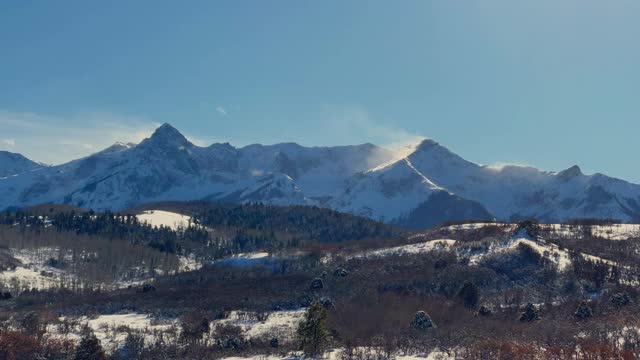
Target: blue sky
<point>547,83</point>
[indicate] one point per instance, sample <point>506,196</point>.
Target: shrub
<point>316,284</point>
<point>148,288</point>
<point>31,324</point>
<point>485,311</point>
<point>194,327</point>
<point>132,348</point>
<point>18,346</point>
<point>583,311</point>
<point>340,272</point>
<point>229,337</point>
<point>422,322</point>
<point>530,313</point>
<point>620,299</point>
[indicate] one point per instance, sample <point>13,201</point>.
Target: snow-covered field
<point>244,259</point>
<point>165,218</point>
<point>476,226</point>
<point>279,324</point>
<point>25,278</point>
<point>33,273</point>
<point>611,232</point>
<point>111,330</point>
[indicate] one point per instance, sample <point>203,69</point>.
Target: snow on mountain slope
<point>515,191</point>
<point>317,171</point>
<point>404,191</point>
<point>399,192</point>
<point>166,166</point>
<point>12,164</point>
<point>430,185</point>
<point>272,188</point>
<point>419,248</point>
<point>386,192</point>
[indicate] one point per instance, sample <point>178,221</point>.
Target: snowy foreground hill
<point>429,186</point>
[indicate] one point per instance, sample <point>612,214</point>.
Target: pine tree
<point>90,349</point>
<point>530,313</point>
<point>422,322</point>
<point>313,332</point>
<point>470,295</point>
<point>583,311</point>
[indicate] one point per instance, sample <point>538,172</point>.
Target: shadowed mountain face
<point>12,164</point>
<point>443,207</point>
<point>429,186</point>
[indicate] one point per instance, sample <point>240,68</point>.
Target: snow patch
<point>419,248</point>
<point>280,324</point>
<point>158,218</point>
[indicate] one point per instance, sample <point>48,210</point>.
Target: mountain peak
<point>166,129</point>
<point>569,173</point>
<point>431,149</point>
<point>430,145</point>
<point>168,135</point>
<point>427,144</point>
<point>117,147</point>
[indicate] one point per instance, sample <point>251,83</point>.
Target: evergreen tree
<point>90,349</point>
<point>313,332</point>
<point>583,311</point>
<point>422,322</point>
<point>470,295</point>
<point>530,313</point>
<point>620,299</point>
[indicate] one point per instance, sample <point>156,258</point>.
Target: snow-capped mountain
<point>512,192</point>
<point>12,164</point>
<point>398,192</point>
<point>429,186</point>
<point>516,192</point>
<point>166,166</point>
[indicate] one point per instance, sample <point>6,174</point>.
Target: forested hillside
<point>464,291</point>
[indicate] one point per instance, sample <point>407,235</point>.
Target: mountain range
<point>429,186</point>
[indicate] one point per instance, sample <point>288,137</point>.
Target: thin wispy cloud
<point>499,166</point>
<point>9,142</point>
<point>222,111</point>
<point>356,124</point>
<point>56,139</point>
